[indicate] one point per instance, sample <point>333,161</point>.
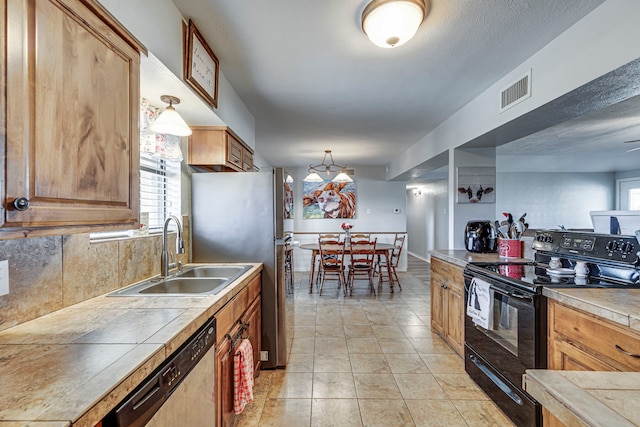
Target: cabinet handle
<point>21,204</point>
<point>622,350</point>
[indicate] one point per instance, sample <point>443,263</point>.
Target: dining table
<point>382,249</point>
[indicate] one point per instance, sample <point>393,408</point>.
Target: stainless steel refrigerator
<point>239,217</point>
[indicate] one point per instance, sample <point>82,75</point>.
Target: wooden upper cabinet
<point>219,149</point>
<point>70,118</point>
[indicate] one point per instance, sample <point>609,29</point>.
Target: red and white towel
<point>242,376</point>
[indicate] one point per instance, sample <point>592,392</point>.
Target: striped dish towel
<point>242,376</point>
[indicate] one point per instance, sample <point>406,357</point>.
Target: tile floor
<point>367,360</point>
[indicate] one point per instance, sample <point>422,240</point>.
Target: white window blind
<point>159,189</point>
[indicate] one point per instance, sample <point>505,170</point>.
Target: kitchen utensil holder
<point>510,248</point>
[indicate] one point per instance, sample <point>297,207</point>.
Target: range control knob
<point>612,245</point>
<point>627,247</point>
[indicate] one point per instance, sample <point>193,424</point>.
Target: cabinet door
<point>253,316</point>
<point>247,161</point>
<point>455,320</point>
<point>224,383</point>
<point>72,107</point>
<point>235,152</point>
<point>567,357</point>
<point>437,304</point>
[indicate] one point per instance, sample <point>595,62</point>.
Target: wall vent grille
<point>515,93</point>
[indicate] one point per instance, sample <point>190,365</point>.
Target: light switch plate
<point>4,277</point>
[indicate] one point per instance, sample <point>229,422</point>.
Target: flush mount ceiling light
<point>392,23</point>
<point>327,168</point>
<point>170,122</point>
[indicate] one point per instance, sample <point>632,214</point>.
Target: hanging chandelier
<point>328,169</point>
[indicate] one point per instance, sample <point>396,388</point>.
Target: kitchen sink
<point>200,280</point>
<point>215,271</point>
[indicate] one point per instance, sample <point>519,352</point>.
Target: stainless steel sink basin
<point>199,280</point>
<point>215,271</point>
<point>186,286</point>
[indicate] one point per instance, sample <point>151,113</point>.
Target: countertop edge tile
<point>569,402</point>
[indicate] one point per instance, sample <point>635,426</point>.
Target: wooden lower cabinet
<point>447,303</point>
<point>578,341</point>
<point>241,315</point>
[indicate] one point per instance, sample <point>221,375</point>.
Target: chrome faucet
<point>164,257</point>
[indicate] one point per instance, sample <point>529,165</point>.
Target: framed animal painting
<point>328,199</point>
<point>476,185</point>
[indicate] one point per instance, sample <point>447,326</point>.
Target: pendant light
<point>170,122</point>
<point>392,23</point>
<point>327,168</point>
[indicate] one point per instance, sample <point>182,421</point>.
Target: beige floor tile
<point>372,363</point>
<point>250,416</point>
<point>300,362</point>
<point>376,386</point>
<point>396,345</point>
<point>481,413</point>
<point>332,363</point>
<point>444,363</point>
<point>330,332</point>
<point>435,413</point>
<point>286,413</point>
<point>333,385</point>
<point>355,319</point>
<point>430,345</point>
<point>290,385</point>
<point>331,345</point>
<point>415,331</point>
<point>305,320</point>
<point>380,319</point>
<point>391,332</point>
<point>335,413</point>
<point>385,413</point>
<point>303,331</point>
<point>419,387</point>
<point>358,331</point>
<point>410,319</point>
<point>303,345</point>
<point>262,384</point>
<point>363,345</point>
<point>460,387</point>
<point>406,364</point>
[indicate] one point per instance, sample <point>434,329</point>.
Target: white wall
<point>427,219</point>
<point>374,195</point>
<point>553,199</point>
<point>601,42</point>
<point>157,24</point>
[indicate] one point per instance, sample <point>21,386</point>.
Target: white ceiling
<point>313,81</point>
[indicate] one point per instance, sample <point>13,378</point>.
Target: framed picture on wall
<point>328,199</point>
<point>201,66</point>
<point>476,185</point>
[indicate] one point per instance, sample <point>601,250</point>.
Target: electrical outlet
<point>264,356</point>
<point>4,277</point>
<point>368,211</point>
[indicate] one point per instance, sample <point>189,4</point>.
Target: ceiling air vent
<point>515,93</point>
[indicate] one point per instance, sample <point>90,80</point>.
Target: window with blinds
<point>159,190</point>
<point>159,195</point>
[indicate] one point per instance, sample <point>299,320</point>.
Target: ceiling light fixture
<point>327,168</point>
<point>170,122</point>
<point>392,23</point>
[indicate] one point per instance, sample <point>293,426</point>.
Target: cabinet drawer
<point>602,337</point>
<point>234,151</point>
<point>449,273</point>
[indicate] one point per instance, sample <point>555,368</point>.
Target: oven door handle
<point>514,295</point>
<point>497,381</point>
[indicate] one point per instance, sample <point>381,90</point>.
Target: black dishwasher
<point>144,405</point>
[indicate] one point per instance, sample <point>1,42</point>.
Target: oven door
<point>517,339</point>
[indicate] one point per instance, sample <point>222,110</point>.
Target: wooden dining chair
<point>327,238</point>
<point>332,263</point>
<point>357,237</point>
<point>362,262</point>
<point>394,257</point>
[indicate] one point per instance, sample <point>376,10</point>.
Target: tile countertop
<point>583,398</point>
<point>587,398</point>
<point>74,365</point>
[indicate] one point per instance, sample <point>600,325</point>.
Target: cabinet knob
<point>21,204</point>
